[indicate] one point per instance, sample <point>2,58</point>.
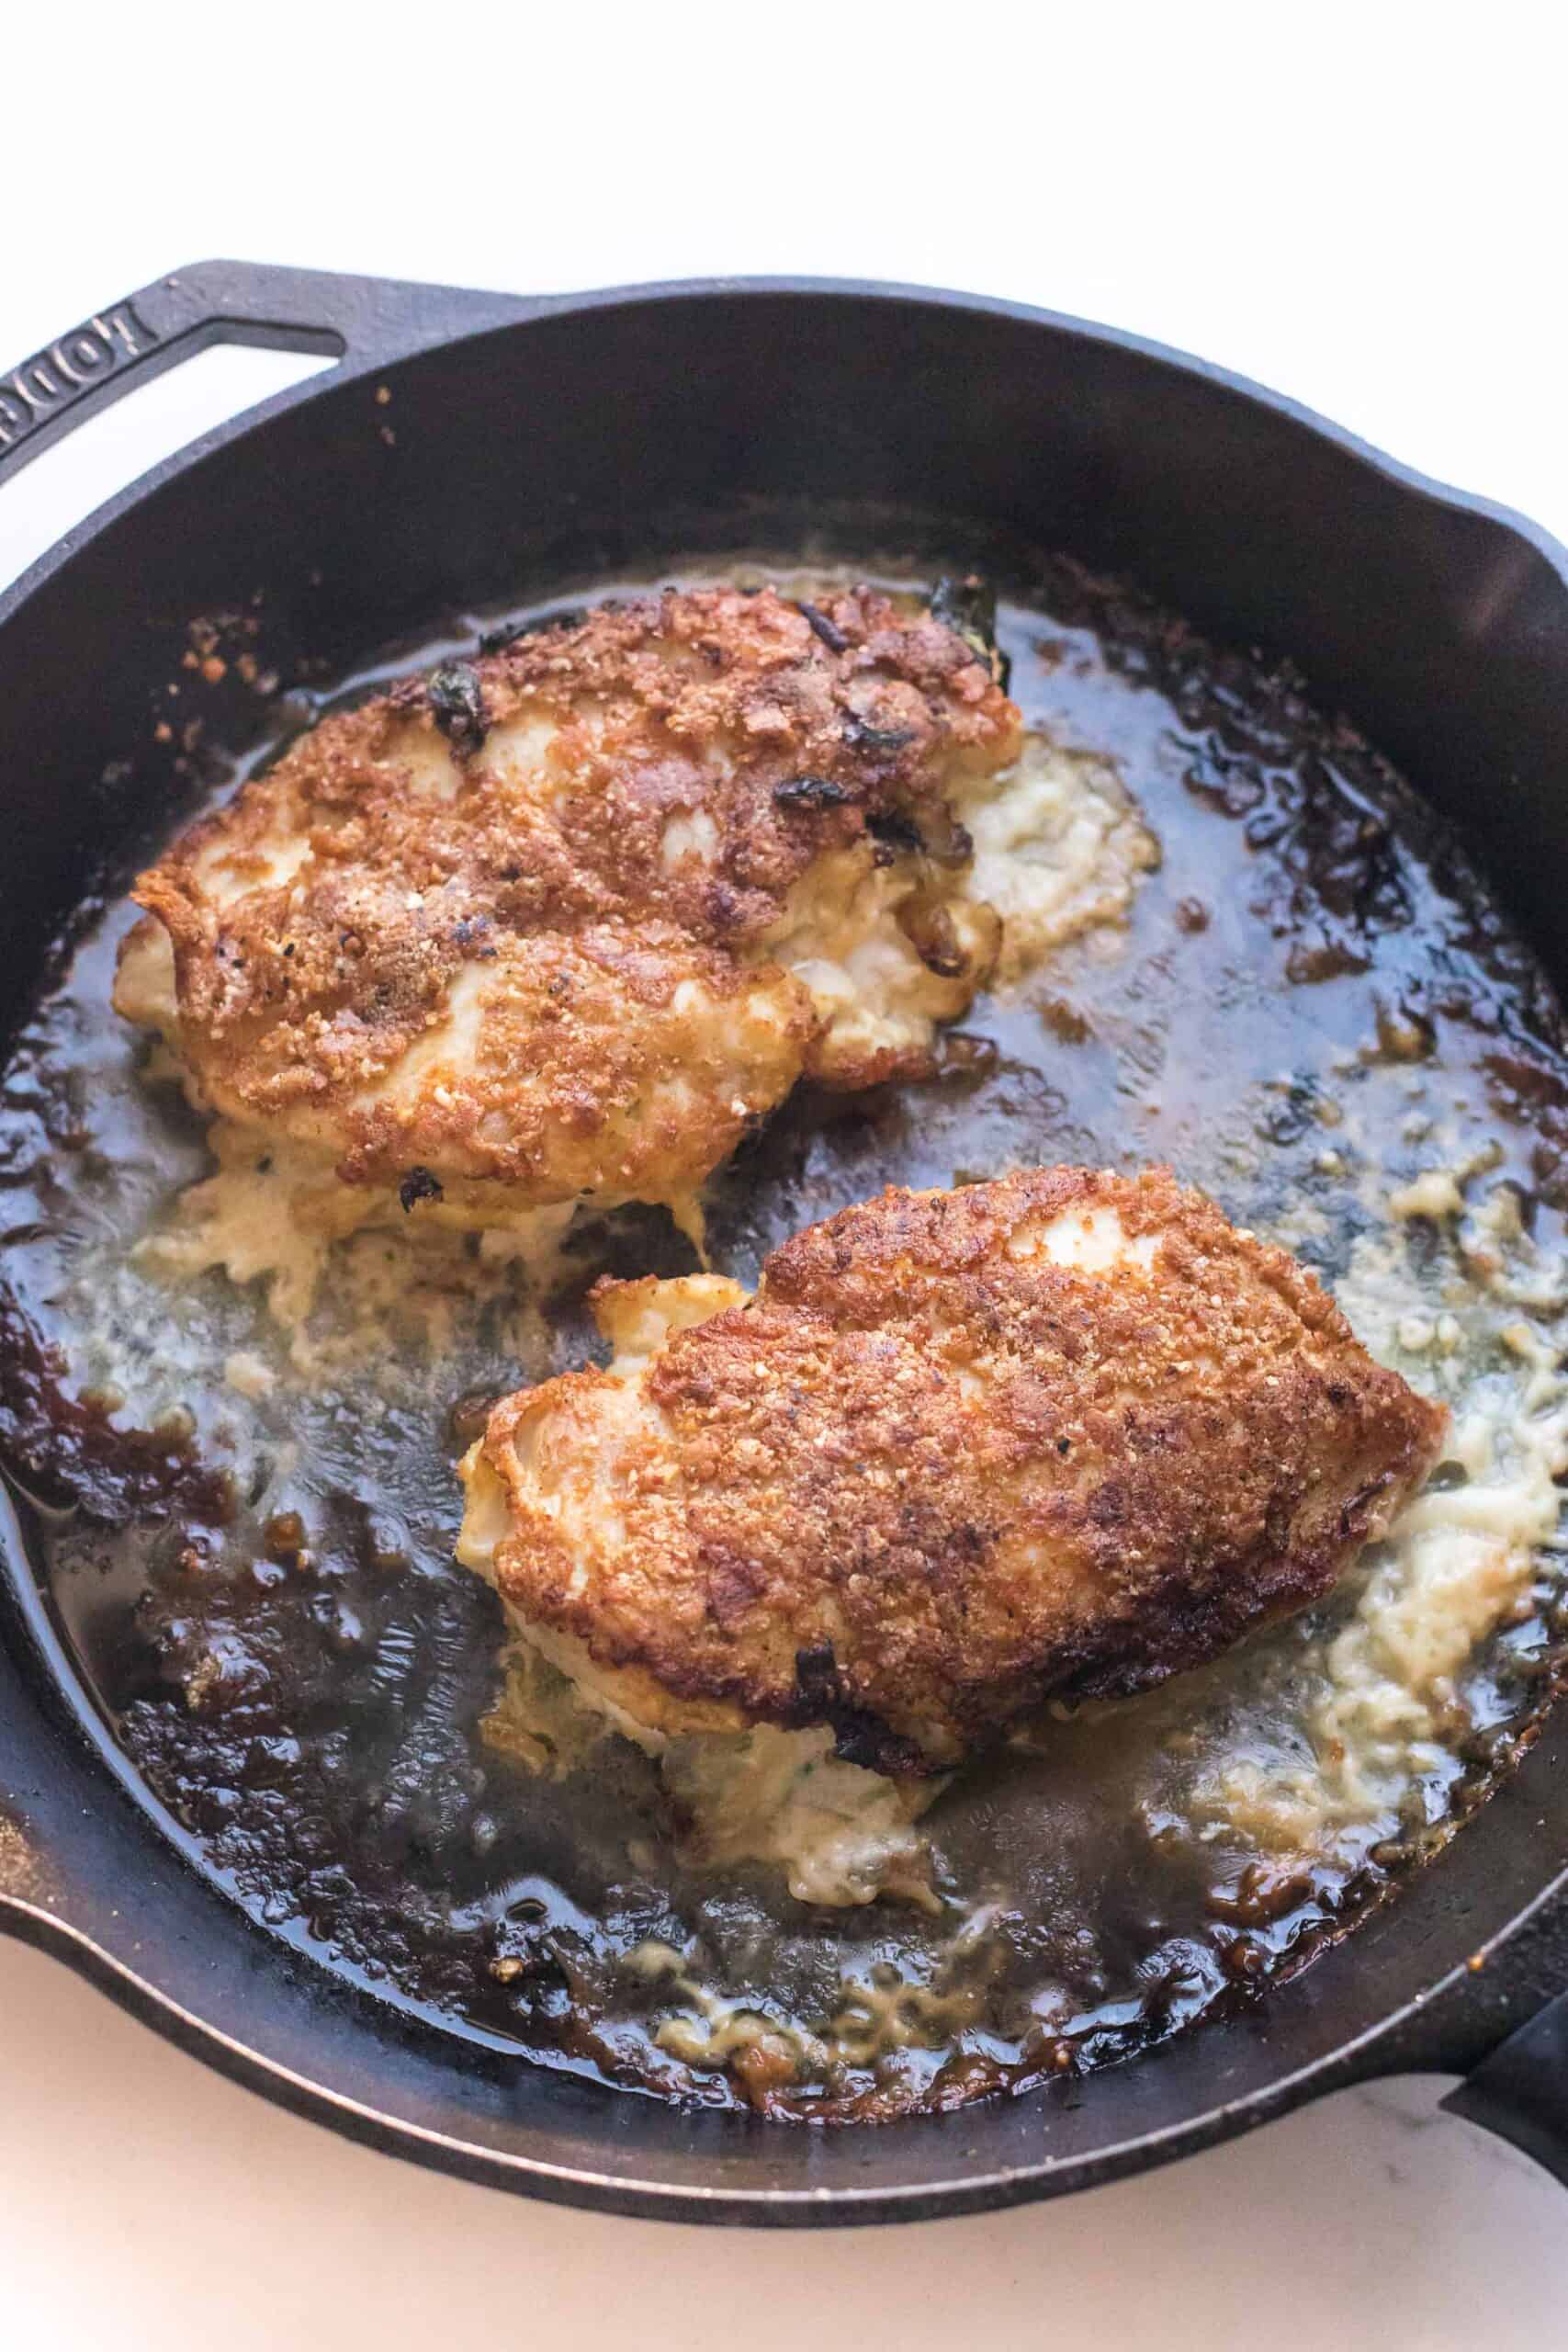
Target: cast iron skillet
<point>526,439</point>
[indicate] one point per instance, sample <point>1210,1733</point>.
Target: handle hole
<point>66,482</point>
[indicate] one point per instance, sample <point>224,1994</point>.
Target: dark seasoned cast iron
<point>524,439</point>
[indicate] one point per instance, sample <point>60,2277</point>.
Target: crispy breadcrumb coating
<point>563,920</point>
<point>1066,1433</point>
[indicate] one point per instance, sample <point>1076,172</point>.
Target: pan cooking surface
<point>1314,1011</point>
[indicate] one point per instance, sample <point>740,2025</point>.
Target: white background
<point>1364,206</point>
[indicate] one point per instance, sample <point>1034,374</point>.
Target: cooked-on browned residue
<point>545,923</point>
<point>1066,1433</point>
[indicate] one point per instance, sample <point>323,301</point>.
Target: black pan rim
<point>524,310</point>
<point>27,1607</point>
<point>970,2192</point>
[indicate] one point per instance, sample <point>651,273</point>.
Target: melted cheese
<point>868,2017</point>
<point>270,1215</point>
<point>841,936</point>
<point>1461,1559</point>
<point>275,1215</point>
<point>841,1835</point>
<point>144,982</point>
<point>1058,850</point>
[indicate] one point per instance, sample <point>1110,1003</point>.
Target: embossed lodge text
<point>49,382</point>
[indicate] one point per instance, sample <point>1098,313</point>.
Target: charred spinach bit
<point>859,1737</point>
<point>861,735</point>
<point>968,607</point>
<point>893,832</point>
<point>811,792</point>
<point>419,1184</point>
<point>457,703</point>
<point>831,634</point>
<point>472,935</point>
<point>497,639</point>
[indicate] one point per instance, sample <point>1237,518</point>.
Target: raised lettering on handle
<point>74,365</point>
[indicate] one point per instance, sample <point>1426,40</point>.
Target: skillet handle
<point>1521,2090</point>
<point>1507,2031</point>
<point>364,322</point>
<point>1500,2020</point>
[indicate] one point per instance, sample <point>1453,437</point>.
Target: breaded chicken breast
<point>559,922</point>
<point>1066,1433</point>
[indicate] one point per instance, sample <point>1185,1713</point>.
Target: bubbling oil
<point>1311,1009</point>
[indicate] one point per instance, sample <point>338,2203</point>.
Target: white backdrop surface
<point>1361,205</point>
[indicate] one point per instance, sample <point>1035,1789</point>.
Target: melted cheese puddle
<point>1059,847</point>
<point>275,1215</point>
<point>884,2010</point>
<point>841,1834</point>
<point>1461,1558</point>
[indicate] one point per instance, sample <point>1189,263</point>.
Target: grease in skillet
<point>1314,1011</point>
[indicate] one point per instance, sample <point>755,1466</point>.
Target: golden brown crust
<point>569,828</point>
<point>954,1457</point>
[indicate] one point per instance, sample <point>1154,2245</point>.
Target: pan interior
<point>1312,1010</point>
